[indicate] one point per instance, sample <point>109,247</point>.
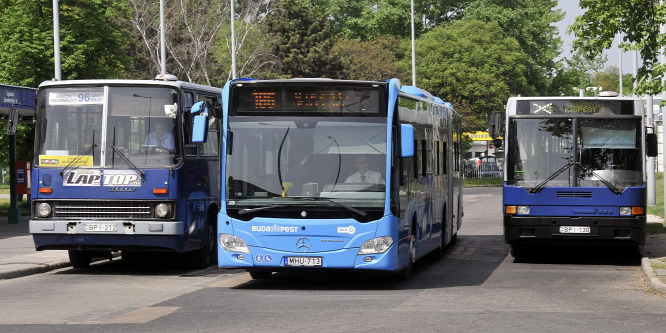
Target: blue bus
<point>574,171</point>
<point>115,169</point>
<point>336,174</point>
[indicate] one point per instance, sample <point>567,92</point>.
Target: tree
<point>572,74</point>
<point>253,45</point>
<point>382,17</point>
<point>609,80</point>
<point>91,40</point>
<point>303,40</point>
<point>374,60</point>
<point>191,27</point>
<point>473,65</point>
<point>529,23</point>
<point>91,43</point>
<point>638,21</point>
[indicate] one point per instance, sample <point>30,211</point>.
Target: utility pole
<point>56,39</point>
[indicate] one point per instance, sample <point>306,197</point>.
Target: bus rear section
<point>574,171</point>
<point>315,176</point>
<point>114,170</point>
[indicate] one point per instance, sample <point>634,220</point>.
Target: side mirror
<point>200,122</point>
<point>651,147</point>
<point>406,140</point>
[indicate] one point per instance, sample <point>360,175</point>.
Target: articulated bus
<point>116,170</point>
<point>574,171</point>
<point>334,174</point>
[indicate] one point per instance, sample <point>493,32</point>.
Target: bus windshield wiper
<point>122,156</point>
<point>539,186</point>
<point>349,208</point>
<point>256,209</point>
<point>608,184</point>
<point>90,149</point>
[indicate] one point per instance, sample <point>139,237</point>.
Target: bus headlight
<point>162,210</point>
<point>625,211</point>
<point>523,210</point>
<point>376,245</point>
<point>43,209</point>
<point>232,243</point>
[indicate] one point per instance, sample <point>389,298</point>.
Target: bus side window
<point>188,101</point>
<point>210,147</point>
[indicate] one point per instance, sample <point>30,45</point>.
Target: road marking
<point>143,315</point>
<point>232,281</point>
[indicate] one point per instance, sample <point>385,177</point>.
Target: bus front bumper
<point>274,260</point>
<point>63,234</point>
<point>535,229</point>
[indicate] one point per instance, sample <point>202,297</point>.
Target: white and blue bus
<point>335,174</point>
<point>574,171</point>
<point>115,169</point>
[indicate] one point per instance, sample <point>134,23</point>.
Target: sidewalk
<point>18,256</point>
<point>654,255</point>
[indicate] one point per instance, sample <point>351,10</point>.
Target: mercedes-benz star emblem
<point>303,244</point>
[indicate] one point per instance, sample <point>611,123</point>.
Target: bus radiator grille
<point>574,194</point>
<point>102,209</point>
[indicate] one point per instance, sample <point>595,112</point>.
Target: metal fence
<point>476,168</point>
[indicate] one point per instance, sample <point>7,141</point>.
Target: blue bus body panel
<point>79,186</point>
<point>336,241</point>
<point>574,201</point>
<point>181,233</point>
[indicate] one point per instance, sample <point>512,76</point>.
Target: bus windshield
<point>574,152</point>
<point>280,160</point>
<point>129,126</point>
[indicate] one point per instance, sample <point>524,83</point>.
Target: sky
<point>571,10</point>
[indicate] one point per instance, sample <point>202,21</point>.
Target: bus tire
<point>518,250</point>
<point>203,257</point>
<point>79,259</point>
<point>260,275</point>
<point>406,272</point>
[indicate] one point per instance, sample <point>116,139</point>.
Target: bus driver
<point>160,139</point>
<point>364,175</point>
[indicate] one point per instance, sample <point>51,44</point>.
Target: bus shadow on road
<point>146,264</point>
<point>574,254</point>
<point>469,262</point>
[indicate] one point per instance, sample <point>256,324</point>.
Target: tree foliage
<point>473,65</point>
<point>92,40</point>
<point>637,20</point>
<point>303,40</point>
<point>374,60</point>
<point>529,23</point>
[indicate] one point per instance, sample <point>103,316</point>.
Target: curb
<point>41,268</point>
<point>35,269</point>
<point>653,281</point>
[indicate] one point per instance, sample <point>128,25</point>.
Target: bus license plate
<point>302,261</point>
<point>99,227</point>
<point>574,230</point>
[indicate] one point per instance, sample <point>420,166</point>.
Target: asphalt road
<point>477,287</point>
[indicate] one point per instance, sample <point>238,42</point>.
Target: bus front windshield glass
<point>548,152</point>
<point>131,126</point>
<point>322,160</point>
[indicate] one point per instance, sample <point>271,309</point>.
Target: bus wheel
<point>517,250</point>
<point>203,257</point>
<point>261,275</point>
<point>80,259</point>
<point>406,272</point>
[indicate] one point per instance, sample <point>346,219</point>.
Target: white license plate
<point>574,230</point>
<point>100,227</point>
<point>302,261</point>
